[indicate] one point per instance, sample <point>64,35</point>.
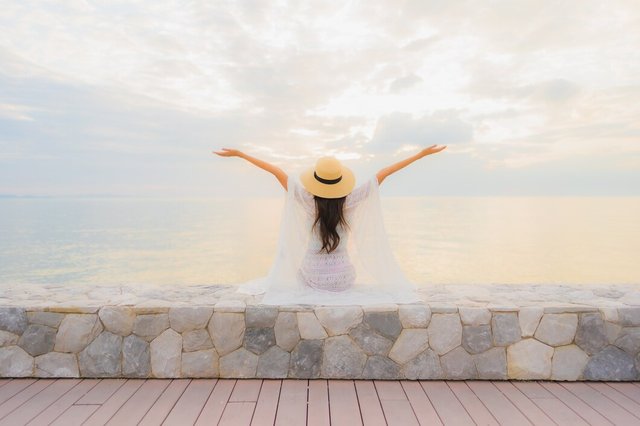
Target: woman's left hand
<point>226,152</point>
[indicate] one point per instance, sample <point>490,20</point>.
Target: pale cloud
<point>514,87</point>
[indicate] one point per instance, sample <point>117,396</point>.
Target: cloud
<point>403,83</point>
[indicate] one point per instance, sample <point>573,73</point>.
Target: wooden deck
<point>314,402</point>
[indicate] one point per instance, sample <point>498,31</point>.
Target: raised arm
<point>274,170</point>
<point>382,174</point>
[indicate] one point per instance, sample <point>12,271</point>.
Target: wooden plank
<point>4,382</point>
<point>629,390</point>
<point>609,409</point>
<point>103,391</point>
<point>590,415</point>
<point>113,404</point>
<point>524,404</point>
<point>163,405</point>
<point>619,398</point>
<point>559,412</point>
<point>39,402</point>
<point>14,387</point>
<point>267,405</point>
<point>472,404</point>
<point>370,407</point>
<point>188,408</point>
<point>237,413</point>
<point>140,402</point>
<point>533,390</point>
<point>390,390</point>
<point>420,403</point>
<point>398,412</point>
<point>61,405</point>
<point>246,390</point>
<point>292,405</point>
<point>23,396</point>
<point>343,403</point>
<point>501,408</point>
<point>75,415</point>
<point>214,406</point>
<point>318,404</point>
<point>449,409</point>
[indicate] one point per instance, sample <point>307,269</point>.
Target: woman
<point>332,247</point>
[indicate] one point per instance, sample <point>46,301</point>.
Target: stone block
<point>273,364</point>
<point>261,316</point>
<point>76,331</point>
<point>529,318</point>
<point>136,357</point>
<point>414,316</point>
<point>425,366</point>
<point>557,329</point>
<point>310,327</point>
<point>227,331</point>
<point>57,364</point>
<point>117,319</point>
<point>386,324</point>
<point>568,363</point>
<point>628,340</point>
<point>529,360</point>
<point>475,316</point>
<point>339,319</point>
<point>506,328</point>
<point>8,339</point>
<point>196,340</point>
<point>410,343</point>
<point>445,332</point>
<point>240,363</point>
<point>150,326</point>
<point>200,364</point>
<point>259,339</point>
<point>591,335</point>
<point>611,363</point>
<point>476,338</point>
<point>50,319</point>
<point>380,368</point>
<point>13,320</point>
<point>286,330</point>
<point>342,358</point>
<point>166,354</point>
<point>102,357</point>
<point>458,365</point>
<point>306,359</point>
<point>38,339</point>
<point>189,318</point>
<point>492,364</point>
<point>370,341</point>
<point>15,362</point>
<point>627,317</point>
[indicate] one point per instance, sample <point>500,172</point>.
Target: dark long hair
<point>329,214</point>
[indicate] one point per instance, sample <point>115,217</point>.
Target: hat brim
<point>336,190</point>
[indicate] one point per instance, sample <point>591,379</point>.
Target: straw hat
<point>328,179</point>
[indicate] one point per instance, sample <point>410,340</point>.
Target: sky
<point>116,98</point>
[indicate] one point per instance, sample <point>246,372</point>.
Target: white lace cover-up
<point>328,271</point>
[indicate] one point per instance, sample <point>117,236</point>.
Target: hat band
<point>326,181</point>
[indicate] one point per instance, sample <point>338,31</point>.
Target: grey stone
<point>445,332</point>
<point>310,327</point>
<point>557,329</point>
<point>200,364</point>
<point>425,366</point>
<point>150,326</point>
<point>187,318</point>
<point>274,363</point>
<point>339,319</point>
<point>529,318</point>
<point>342,358</point>
<point>76,331</point>
<point>13,320</point>
<point>305,359</point>
<point>136,357</point>
<point>568,363</point>
<point>458,365</point>
<point>369,341</point>
<point>591,335</point>
<point>240,363</point>
<point>476,338</point>
<point>57,364</point>
<point>286,330</point>
<point>529,360</point>
<point>629,317</point>
<point>8,339</point>
<point>227,331</point>
<point>117,319</point>
<point>196,340</point>
<point>102,357</point>
<point>259,339</point>
<point>387,323</point>
<point>261,316</point>
<point>475,316</point>
<point>38,339</point>
<point>380,368</point>
<point>15,362</point>
<point>414,316</point>
<point>410,343</point>
<point>166,351</point>
<point>628,340</point>
<point>492,364</point>
<point>611,363</point>
<point>506,328</point>
<point>612,331</point>
<point>51,319</point>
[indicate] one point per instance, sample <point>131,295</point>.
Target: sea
<point>436,240</point>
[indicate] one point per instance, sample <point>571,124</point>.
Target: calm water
<point>442,240</point>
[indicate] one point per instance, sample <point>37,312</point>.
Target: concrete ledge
<point>459,332</point>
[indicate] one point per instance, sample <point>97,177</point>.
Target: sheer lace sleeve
<point>359,194</point>
<point>301,195</point>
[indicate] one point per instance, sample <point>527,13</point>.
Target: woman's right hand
<point>226,152</point>
<point>432,150</point>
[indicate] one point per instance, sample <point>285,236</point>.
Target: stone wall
<point>234,340</point>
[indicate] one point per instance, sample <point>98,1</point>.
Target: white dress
<point>361,271</point>
<point>328,271</point>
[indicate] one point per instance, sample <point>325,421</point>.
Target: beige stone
<point>409,344</point>
<point>227,331</point>
<point>414,316</point>
<point>166,351</point>
<point>557,329</point>
<point>310,327</point>
<point>117,319</point>
<point>339,319</point>
<point>529,360</point>
<point>475,316</point>
<point>568,363</point>
<point>529,318</point>
<point>445,332</point>
<point>76,332</point>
